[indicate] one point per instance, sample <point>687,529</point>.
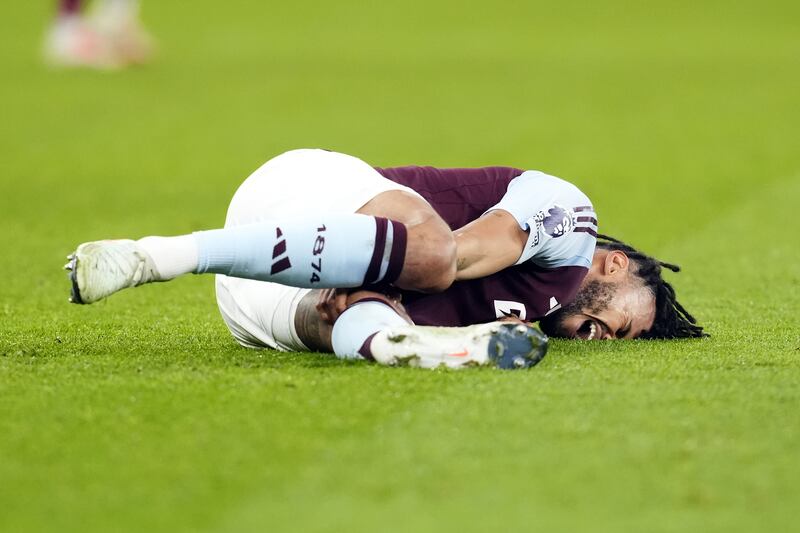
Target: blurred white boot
<point>118,21</point>
<point>73,42</point>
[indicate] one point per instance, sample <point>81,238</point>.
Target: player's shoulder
<point>536,182</point>
<point>558,216</point>
<point>537,199</point>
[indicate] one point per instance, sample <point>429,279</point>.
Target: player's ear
<point>615,262</point>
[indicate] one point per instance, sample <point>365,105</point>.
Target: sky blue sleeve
<point>559,218</point>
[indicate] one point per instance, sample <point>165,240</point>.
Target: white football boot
<point>499,344</point>
<point>101,268</point>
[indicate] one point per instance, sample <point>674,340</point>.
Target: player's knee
<point>430,264</point>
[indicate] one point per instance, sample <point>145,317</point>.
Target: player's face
<point>604,310</point>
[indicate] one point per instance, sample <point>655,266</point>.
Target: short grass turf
<point>141,414</point>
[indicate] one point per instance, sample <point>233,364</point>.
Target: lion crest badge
<point>555,221</point>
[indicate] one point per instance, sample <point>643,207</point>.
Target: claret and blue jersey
<point>562,230</point>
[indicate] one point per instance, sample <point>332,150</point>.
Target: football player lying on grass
<point>461,247</point>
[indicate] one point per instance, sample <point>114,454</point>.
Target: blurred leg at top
<point>110,37</point>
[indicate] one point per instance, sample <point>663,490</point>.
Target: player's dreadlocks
<point>672,321</point>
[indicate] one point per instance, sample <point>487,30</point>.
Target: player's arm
<point>488,244</point>
<point>536,220</point>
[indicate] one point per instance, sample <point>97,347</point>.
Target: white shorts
<point>260,314</point>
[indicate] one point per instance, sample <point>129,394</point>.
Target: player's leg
<point>108,38</point>
<point>319,183</point>
<point>118,21</point>
<point>260,314</point>
<point>396,237</point>
<point>325,248</point>
<point>373,328</point>
<point>430,260</point>
<point>72,41</point>
<point>317,251</point>
<point>69,7</point>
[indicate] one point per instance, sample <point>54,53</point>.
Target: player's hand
<point>332,303</point>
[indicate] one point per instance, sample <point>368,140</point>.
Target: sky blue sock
<point>343,250</point>
<point>358,324</point>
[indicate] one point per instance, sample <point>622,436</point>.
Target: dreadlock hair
<point>672,320</point>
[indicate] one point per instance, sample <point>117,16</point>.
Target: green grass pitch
<point>679,119</point>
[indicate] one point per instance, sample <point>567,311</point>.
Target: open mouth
<point>587,331</point>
